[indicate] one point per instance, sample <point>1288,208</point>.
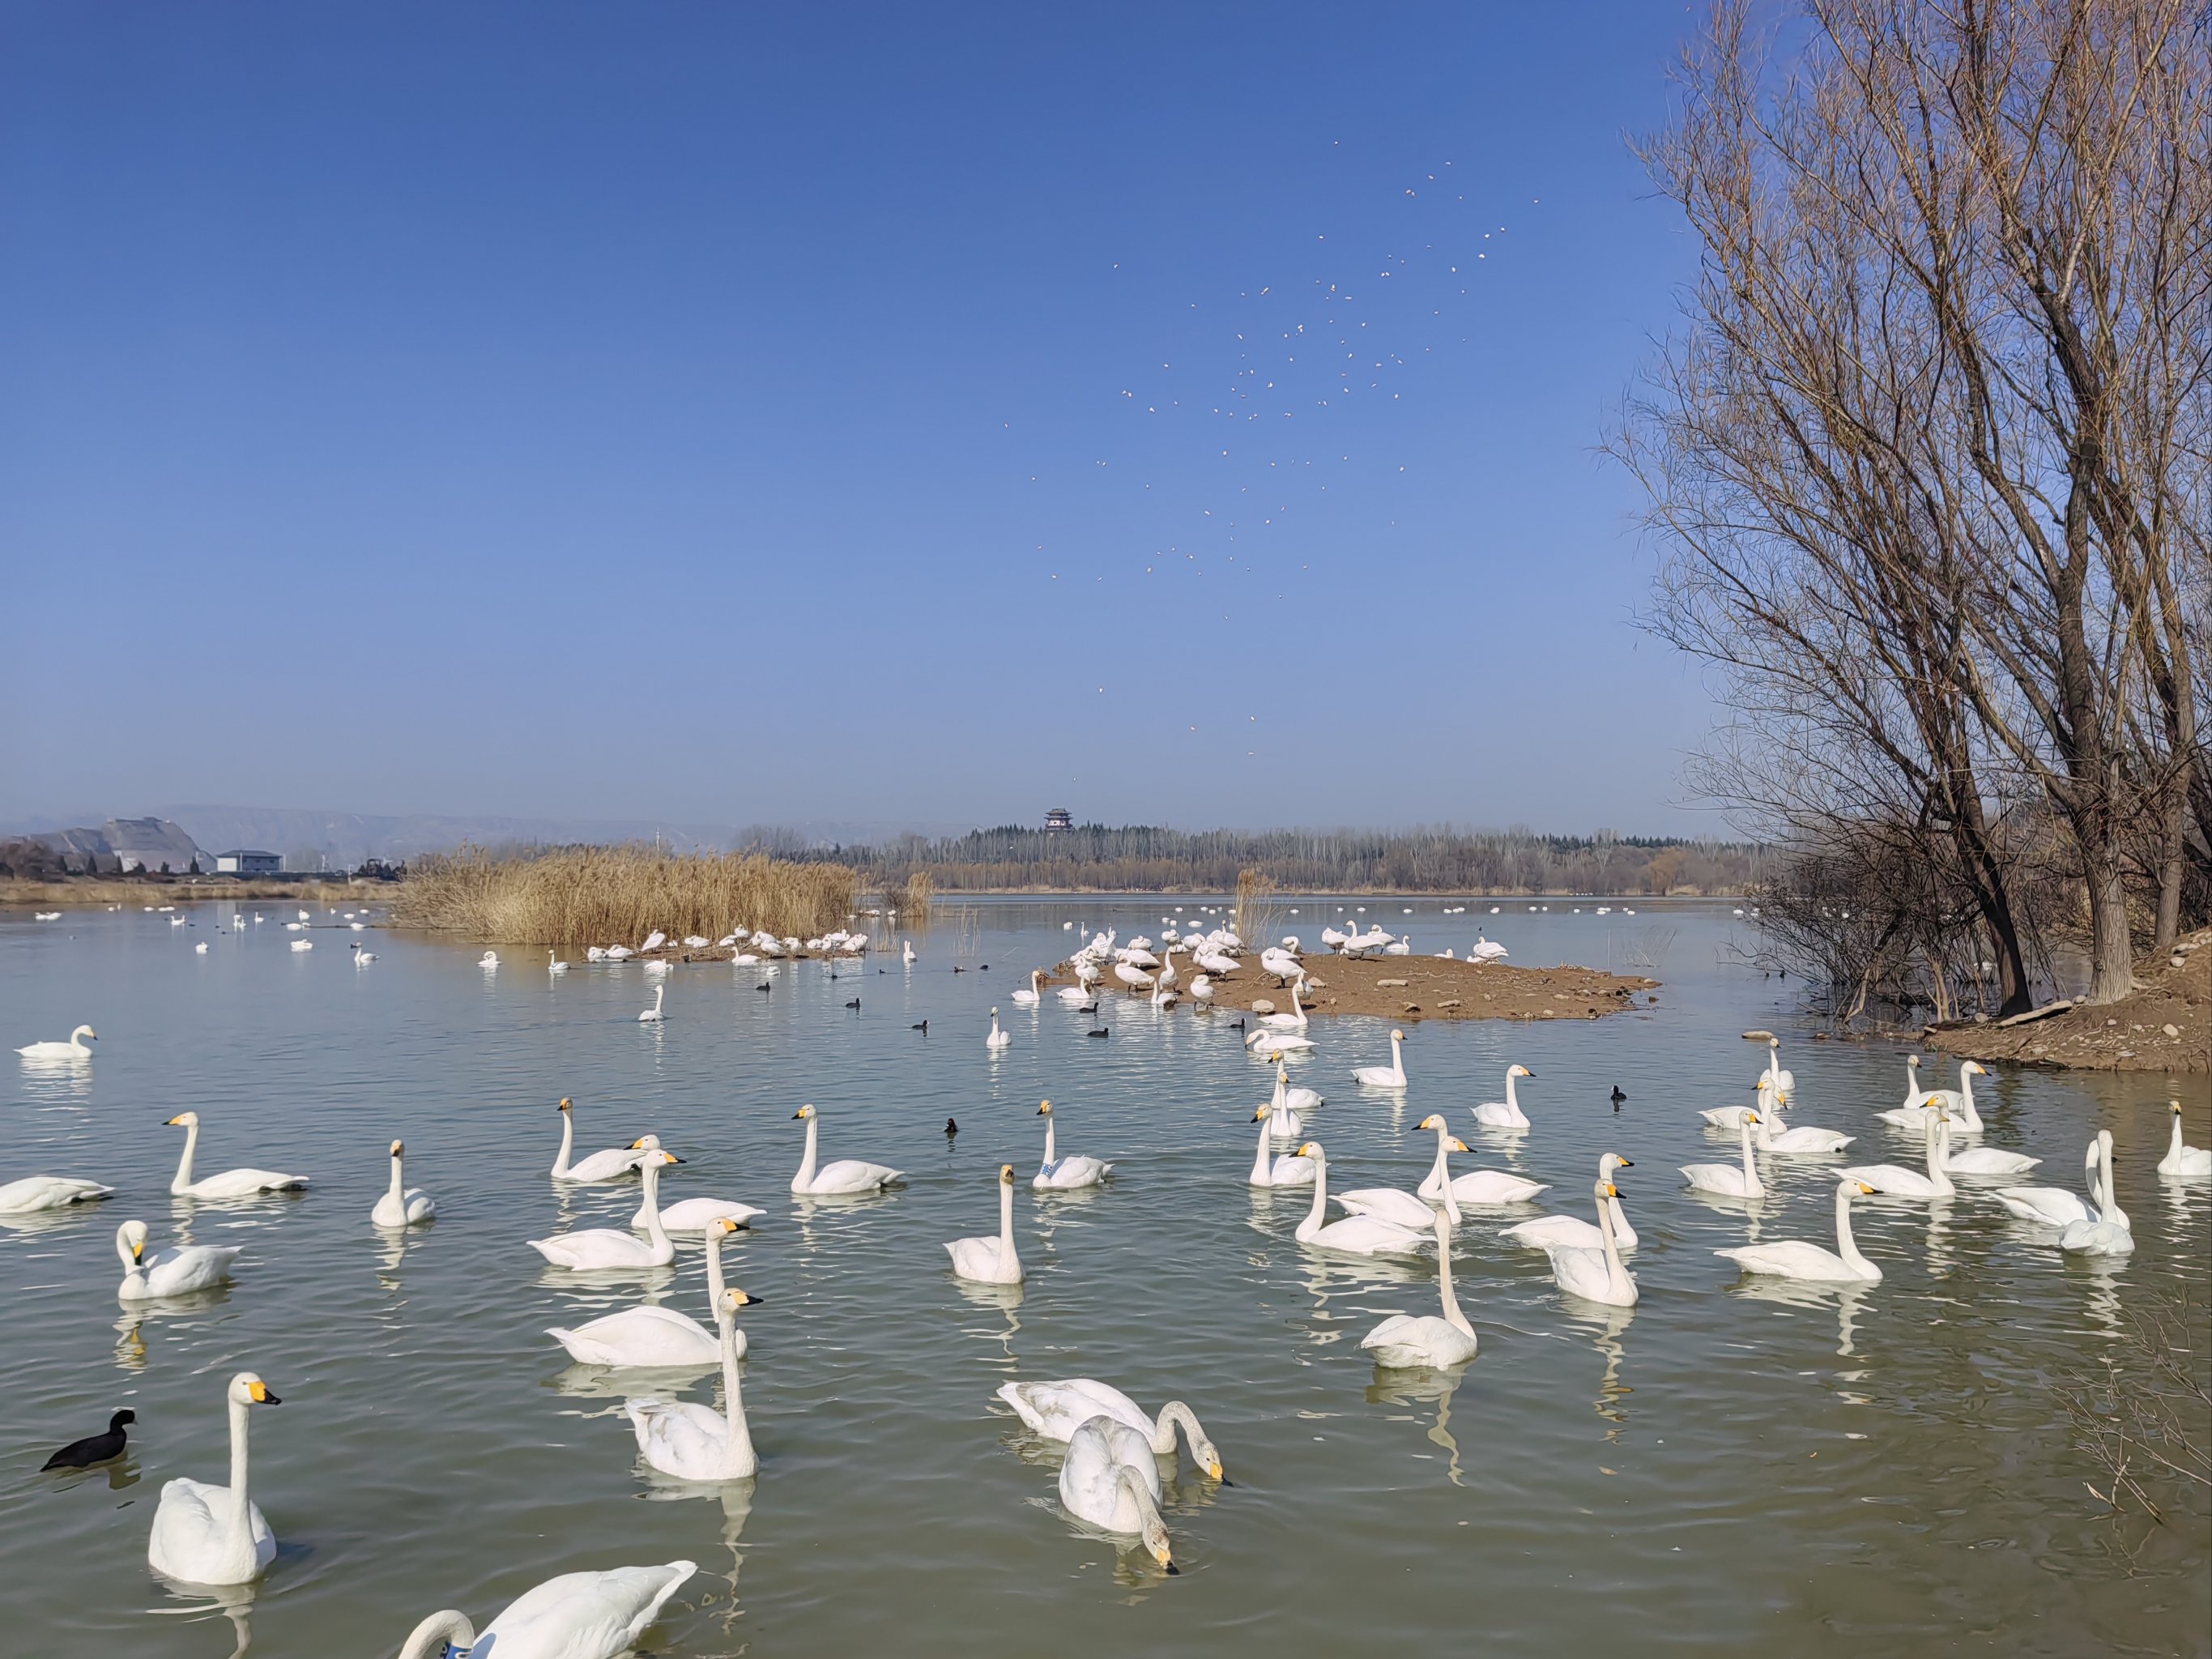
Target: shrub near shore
<point>585,895</point>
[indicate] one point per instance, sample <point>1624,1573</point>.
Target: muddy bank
<point>1415,988</point>
<point>2165,1025</point>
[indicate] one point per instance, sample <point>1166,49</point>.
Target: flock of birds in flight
<point>214,1535</point>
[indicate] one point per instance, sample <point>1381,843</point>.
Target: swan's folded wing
<point>185,1523</point>
<point>679,1432</point>
<point>1792,1258</point>
<point>586,1613</point>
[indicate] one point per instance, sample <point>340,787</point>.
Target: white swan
<point>1957,1103</point>
<point>1984,1160</point>
<point>1725,1178</point>
<point>606,1164</point>
<point>2182,1161</point>
<point>1288,1170</point>
<point>1056,1410</point>
<point>1896,1182</point>
<point>991,1261</point>
<point>597,1249</point>
<point>1058,1173</point>
<point>1284,1122</point>
<point>1031,998</point>
<point>206,1534</point>
<point>1135,978</point>
<point>177,1271</point>
<point>1295,1019</point>
<point>1484,950</point>
<point>1780,1076</point>
<point>1792,1258</point>
<point>1075,995</point>
<point>231,1183</point>
<point>648,1336</point>
<point>999,1038</point>
<point>1266,1044</point>
<point>1597,1275</point>
<point>489,960</point>
<point>401,1206</point>
<point>577,1615</point>
<point>692,1215</point>
<point>1505,1114</point>
<point>2110,1234</point>
<point>1486,1187</point>
<point>1546,1232</point>
<point>694,1442</point>
<point>2052,1206</point>
<point>1791,1142</point>
<point>554,964</point>
<point>1908,1116</point>
<point>1356,1235</point>
<point>1110,1480</point>
<point>653,1015</point>
<point>846,1176</point>
<point>73,1049</point>
<point>1392,1076</point>
<point>1289,1097</point>
<point>44,1192</point>
<point>1407,1341</point>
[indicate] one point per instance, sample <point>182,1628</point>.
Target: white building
<point>242,861</point>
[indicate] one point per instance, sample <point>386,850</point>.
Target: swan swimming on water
<point>2182,1161</point>
<point>1505,1114</point>
<point>231,1183</point>
<point>1484,1187</point>
<point>692,1215</point>
<point>999,1038</point>
<point>205,1535</point>
<point>1061,1174</point>
<point>2110,1234</point>
<point>1791,1258</point>
<point>1056,1410</point>
<point>991,1261</point>
<point>1288,1170</point>
<point>577,1615</point>
<point>1896,1182</point>
<point>45,1192</point>
<point>1546,1231</point>
<point>1597,1275</point>
<point>694,1442</point>
<point>596,1249</point>
<point>648,1336</point>
<point>606,1164</point>
<point>1110,1479</point>
<point>2051,1207</point>
<point>178,1270</point>
<point>401,1206</point>
<point>74,1048</point>
<point>1392,1076</point>
<point>1726,1179</point>
<point>1029,998</point>
<point>845,1177</point>
<point>1355,1235</point>
<point>1406,1341</point>
<point>652,1015</point>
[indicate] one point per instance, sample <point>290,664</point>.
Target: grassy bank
<point>578,896</point>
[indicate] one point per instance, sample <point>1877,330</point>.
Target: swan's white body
<point>1792,1142</point>
<point>1893,1181</point>
<point>1728,1179</point>
<point>654,1015</point>
<point>846,1176</point>
<point>578,1615</point>
<point>1734,1117</point>
<point>608,1163</point>
<point>1987,1161</point>
<point>1031,996</point>
<point>693,1442</point>
<point>1549,1231</point>
<point>1288,1170</point>
<point>1408,1341</point>
<point>1056,1410</point>
<point>1484,950</point>
<point>2110,1234</point>
<point>1505,1114</point>
<point>2052,1206</point>
<point>1356,1235</point>
<point>1958,1104</point>
<point>1074,996</point>
<point>1795,1259</point>
<point>1265,1043</point>
<point>1284,1122</point>
<point>999,1038</point>
<point>1595,1275</point>
<point>1058,1174</point>
<point>44,1192</point>
<point>554,964</point>
<point>74,1048</point>
<point>697,1215</point>
<point>1482,1187</point>
<point>231,1183</point>
<point>1392,1076</point>
<point>1110,1480</point>
<point>205,1535</point>
<point>1295,1019</point>
<point>991,1261</point>
<point>178,1271</point>
<point>647,1337</point>
<point>2182,1161</point>
<point>489,960</point>
<point>1780,1076</point>
<point>602,1249</point>
<point>1908,1116</point>
<point>1135,978</point>
<point>401,1206</point>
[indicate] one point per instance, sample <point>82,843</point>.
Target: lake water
<point>1728,1469</point>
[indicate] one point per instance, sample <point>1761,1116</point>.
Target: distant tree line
<point>1138,858</point>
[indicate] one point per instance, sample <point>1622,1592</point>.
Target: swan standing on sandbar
<point>401,1206</point>
<point>206,1534</point>
<point>1392,1076</point>
<point>1505,1114</point>
<point>44,1192</point>
<point>649,1336</point>
<point>1476,1186</point>
<point>694,1442</point>
<point>177,1271</point>
<point>608,1163</point>
<point>1110,1480</point>
<point>73,1049</point>
<point>1288,1170</point>
<point>999,1038</point>
<point>1058,1174</point>
<point>1056,1410</point>
<point>847,1175</point>
<point>2110,1234</point>
<point>1356,1235</point>
<point>596,1249</point>
<point>231,1183</point>
<point>991,1261</point>
<point>1726,1179</point>
<point>2182,1161</point>
<point>1407,1342</point>
<point>1792,1258</point>
<point>1546,1231</point>
<point>578,1615</point>
<point>1597,1275</point>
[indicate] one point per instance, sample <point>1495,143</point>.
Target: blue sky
<point>874,413</point>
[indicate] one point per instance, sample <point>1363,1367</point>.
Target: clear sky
<point>1182,414</point>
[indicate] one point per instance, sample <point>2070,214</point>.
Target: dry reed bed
<point>580,897</point>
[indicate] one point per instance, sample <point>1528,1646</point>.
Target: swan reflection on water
<point>1407,1388</point>
<point>234,1601</point>
<point>1847,1299</point>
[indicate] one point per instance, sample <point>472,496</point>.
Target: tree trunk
<point>2112,968</point>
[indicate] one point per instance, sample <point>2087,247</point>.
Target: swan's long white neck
<point>1453,1317</point>
<point>1006,1257</point>
<point>1262,1165</point>
<point>741,1434</point>
<point>399,1190</point>
<point>1616,1276</point>
<point>1173,1413</point>
<point>714,1265</point>
<point>430,1638</point>
<point>185,1164</point>
<point>133,1269</point>
<point>1398,1055</point>
<point>1939,1153</point>
<point>2108,1203</point>
<point>1312,1223</point>
<point>651,1174</point>
<point>805,1178</point>
<point>1050,1142</point>
<point>1512,1099</point>
<point>2174,1147</point>
<point>1751,1186</point>
<point>1846,1246</point>
<point>1442,1176</point>
<point>237,1411</point>
<point>567,1143</point>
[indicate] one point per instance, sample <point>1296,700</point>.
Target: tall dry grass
<point>584,896</point>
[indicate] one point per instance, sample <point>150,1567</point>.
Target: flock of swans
<point>1109,1478</point>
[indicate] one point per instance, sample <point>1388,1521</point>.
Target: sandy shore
<point>2164,1026</point>
<point>1415,987</point>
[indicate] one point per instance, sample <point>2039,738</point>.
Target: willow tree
<point>1927,460</point>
